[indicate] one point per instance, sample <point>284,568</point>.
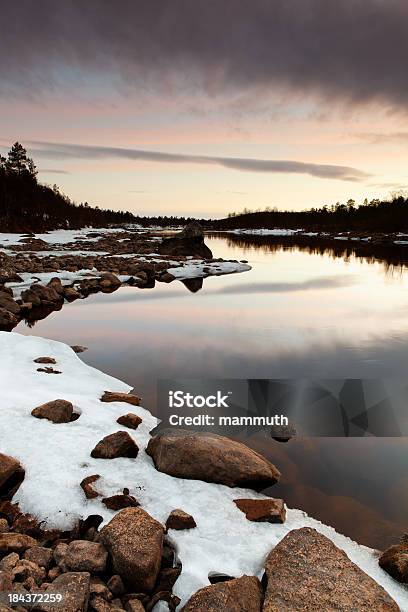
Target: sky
<point>204,107</point>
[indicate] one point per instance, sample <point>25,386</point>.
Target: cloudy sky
<point>209,106</point>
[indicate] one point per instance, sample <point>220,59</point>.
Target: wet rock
<point>16,542</point>
<point>74,587</point>
<point>84,556</point>
<point>263,510</point>
<point>57,411</point>
<point>307,567</point>
<point>40,555</point>
<point>188,242</point>
<point>134,540</point>
<point>212,458</point>
<point>86,485</point>
<point>118,502</point>
<point>77,348</point>
<point>178,519</point>
<point>45,360</point>
<point>238,595</point>
<point>11,475</point>
<point>395,560</point>
<point>129,420</point>
<point>112,396</point>
<point>118,444</point>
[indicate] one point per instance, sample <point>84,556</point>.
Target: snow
<point>195,268</point>
<point>62,236</point>
<point>57,457</point>
<point>266,232</point>
<point>67,278</point>
<point>400,241</point>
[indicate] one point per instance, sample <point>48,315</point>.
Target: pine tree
<point>19,163</point>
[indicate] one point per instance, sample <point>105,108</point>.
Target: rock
<point>118,444</point>
<point>6,583</point>
<point>48,370</point>
<point>7,319</point>
<point>178,519</point>
<point>16,542</point>
<point>239,595</point>
<point>98,587</point>
<point>134,605</point>
<point>116,586</point>
<point>37,294</point>
<point>9,562</point>
<point>45,360</point>
<point>306,571</point>
<point>59,553</point>
<point>84,556</point>
<point>129,420</point>
<point>109,280</point>
<point>210,457</point>
<point>8,303</point>
<point>71,294</point>
<point>283,433</point>
<point>118,502</point>
<point>4,526</point>
<point>55,283</point>
<point>54,572</point>
<point>57,411</point>
<point>25,569</point>
<point>395,560</point>
<point>129,398</point>
<point>39,555</point>
<point>263,510</point>
<point>188,242</point>
<point>167,277</point>
<point>11,473</point>
<point>77,348</point>
<point>135,541</point>
<point>86,485</point>
<point>74,587</point>
<point>99,604</point>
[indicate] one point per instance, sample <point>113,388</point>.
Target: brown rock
<point>71,294</point>
<point>11,475</point>
<point>118,502</point>
<point>84,556</point>
<point>109,280</point>
<point>135,541</point>
<point>99,604</point>
<point>45,360</point>
<point>7,319</point>
<point>129,398</point>
<point>86,485</point>
<point>188,242</point>
<point>39,555</point>
<point>239,595</point>
<point>306,571</point>
<point>395,560</point>
<point>57,411</point>
<point>212,458</point>
<point>37,294</point>
<point>6,583</point>
<point>77,348</point>
<point>74,588</point>
<point>54,572</point>
<point>8,303</point>
<point>118,444</point>
<point>4,526</point>
<point>59,553</point>
<point>129,420</point>
<point>134,605</point>
<point>98,587</point>
<point>27,569</point>
<point>9,562</point>
<point>116,586</point>
<point>178,519</point>
<point>263,510</point>
<point>16,542</point>
<point>48,370</point>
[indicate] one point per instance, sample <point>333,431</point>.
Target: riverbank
<point>58,456</point>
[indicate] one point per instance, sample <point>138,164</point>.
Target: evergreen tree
<point>19,163</point>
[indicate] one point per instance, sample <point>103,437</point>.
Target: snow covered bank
<point>196,268</point>
<point>57,457</point>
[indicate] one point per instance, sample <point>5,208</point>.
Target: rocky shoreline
<point>95,508</point>
<point>38,276</point>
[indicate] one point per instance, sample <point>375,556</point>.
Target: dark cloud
<point>76,151</point>
<point>352,50</point>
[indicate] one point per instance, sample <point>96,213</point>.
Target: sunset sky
<point>202,107</point>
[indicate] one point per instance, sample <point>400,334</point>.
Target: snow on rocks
<point>57,458</point>
<point>196,268</point>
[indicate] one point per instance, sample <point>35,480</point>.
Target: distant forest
<point>375,216</point>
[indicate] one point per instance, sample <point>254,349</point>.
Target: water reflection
<point>303,310</point>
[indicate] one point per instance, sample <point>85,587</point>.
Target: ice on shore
<point>56,458</point>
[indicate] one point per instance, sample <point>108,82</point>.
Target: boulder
<point>306,571</point>
<point>118,502</point>
<point>26,569</point>
<point>4,526</point>
<point>112,396</point>
<point>45,360</point>
<point>11,475</point>
<point>7,319</point>
<point>9,562</point>
<point>77,348</point>
<point>86,485</point>
<point>129,420</point>
<point>7,302</point>
<point>242,594</point>
<point>37,294</point>
<point>109,280</point>
<point>135,542</point>
<point>262,510</point>
<point>212,458</point>
<point>84,556</point>
<point>16,542</point>
<point>6,583</point>
<point>71,294</point>
<point>178,519</point>
<point>40,555</point>
<point>74,588</point>
<point>118,444</point>
<point>57,411</point>
<point>395,560</point>
<point>189,242</point>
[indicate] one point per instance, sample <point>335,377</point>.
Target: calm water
<point>298,312</point>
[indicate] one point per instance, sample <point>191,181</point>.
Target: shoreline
<point>231,544</point>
